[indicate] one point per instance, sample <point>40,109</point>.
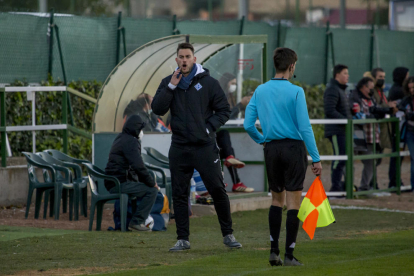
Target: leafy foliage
<point>48,112</point>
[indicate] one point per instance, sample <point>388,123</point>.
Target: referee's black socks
<point>275,221</point>
<point>292,227</point>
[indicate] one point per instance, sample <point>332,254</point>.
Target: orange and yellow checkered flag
<point>315,210</point>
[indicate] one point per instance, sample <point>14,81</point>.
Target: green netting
<point>393,49</point>
<point>23,48</point>
<point>352,48</point>
<point>256,28</point>
<point>88,47</point>
<point>309,44</point>
<point>209,28</point>
<point>139,32</point>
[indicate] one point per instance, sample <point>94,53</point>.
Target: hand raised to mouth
<point>176,77</point>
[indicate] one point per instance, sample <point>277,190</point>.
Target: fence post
<point>371,47</point>
<point>374,149</point>
<point>349,179</point>
<point>118,38</point>
<point>332,49</point>
<point>65,120</point>
<point>50,29</point>
<point>124,41</point>
<point>264,54</point>
<point>242,25</point>
<point>3,126</point>
<point>326,52</point>
<point>398,158</point>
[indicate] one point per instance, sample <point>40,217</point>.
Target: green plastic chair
<point>157,166</point>
<point>78,176</point>
<point>98,200</point>
<point>76,181</point>
<point>52,182</point>
<point>157,155</point>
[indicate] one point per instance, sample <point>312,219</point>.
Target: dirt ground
<point>14,216</point>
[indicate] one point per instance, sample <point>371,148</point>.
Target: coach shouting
<point>198,109</point>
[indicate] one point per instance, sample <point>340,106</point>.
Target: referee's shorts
<point>286,164</point>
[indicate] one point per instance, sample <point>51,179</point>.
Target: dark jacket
<point>235,111</point>
<point>202,106</point>
<point>396,91</point>
<point>336,106</point>
<point>407,106</point>
<point>125,161</point>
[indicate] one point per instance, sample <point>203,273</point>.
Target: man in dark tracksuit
<point>126,164</point>
<point>336,106</point>
<point>198,109</point>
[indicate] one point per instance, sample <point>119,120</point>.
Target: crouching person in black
<point>126,164</point>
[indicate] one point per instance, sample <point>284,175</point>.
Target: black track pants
<point>206,160</point>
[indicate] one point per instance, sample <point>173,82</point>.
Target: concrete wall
<point>14,185</point>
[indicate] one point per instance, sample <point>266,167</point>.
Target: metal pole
<point>124,41</point>
<point>343,14</point>
<point>326,52</point>
<point>43,6</point>
<point>210,10</point>
<point>33,121</point>
<point>377,14</point>
<point>371,47</point>
<point>60,54</point>
<point>50,29</point>
<point>264,66</point>
<point>65,120</point>
<point>332,49</point>
<point>118,39</point>
<point>297,13</point>
<point>310,12</point>
<point>243,8</point>
<point>279,28</point>
<point>3,125</point>
<point>374,149</point>
<point>241,25</point>
<point>349,148</point>
<point>398,159</point>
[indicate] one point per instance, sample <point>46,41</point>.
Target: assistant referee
<point>281,109</point>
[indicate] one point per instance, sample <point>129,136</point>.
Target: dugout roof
<point>143,69</point>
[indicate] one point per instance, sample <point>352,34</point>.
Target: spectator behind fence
<point>366,103</point>
<point>126,164</point>
<point>228,83</point>
<point>407,106</point>
<point>399,75</point>
<point>396,93</point>
<point>336,107</point>
<point>142,107</point>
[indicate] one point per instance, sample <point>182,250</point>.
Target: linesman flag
<point>315,210</point>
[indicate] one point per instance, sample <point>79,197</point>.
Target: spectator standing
<point>363,96</point>
<point>407,106</point>
<point>336,107</point>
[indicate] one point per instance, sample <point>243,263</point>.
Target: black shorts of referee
<point>286,164</point>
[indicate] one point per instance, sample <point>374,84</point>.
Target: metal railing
<point>350,157</point>
<point>31,96</point>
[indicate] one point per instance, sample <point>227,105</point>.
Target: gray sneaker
<point>293,262</point>
<point>230,242</point>
<point>139,227</point>
<point>181,245</point>
<point>275,260</point>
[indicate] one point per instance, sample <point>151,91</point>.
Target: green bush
<point>49,111</point>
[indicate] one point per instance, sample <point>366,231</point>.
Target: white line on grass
<point>370,209</point>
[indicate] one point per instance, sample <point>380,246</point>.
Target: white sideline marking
<point>370,209</point>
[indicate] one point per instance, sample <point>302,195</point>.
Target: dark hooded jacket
<point>396,92</point>
<point>335,103</point>
<point>125,161</point>
<point>202,106</point>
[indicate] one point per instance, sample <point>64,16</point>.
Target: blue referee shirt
<point>282,111</point>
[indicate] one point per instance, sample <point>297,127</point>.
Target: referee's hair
<point>185,45</point>
<point>338,69</point>
<point>283,58</point>
<point>363,82</point>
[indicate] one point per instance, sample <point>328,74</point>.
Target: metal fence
<point>31,96</point>
<point>75,47</point>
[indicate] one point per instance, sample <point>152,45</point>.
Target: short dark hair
<point>375,71</point>
<point>185,45</point>
<point>283,58</point>
<point>338,69</point>
<point>362,82</point>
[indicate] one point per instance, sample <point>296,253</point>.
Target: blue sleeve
<point>305,127</point>
<point>250,120</point>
